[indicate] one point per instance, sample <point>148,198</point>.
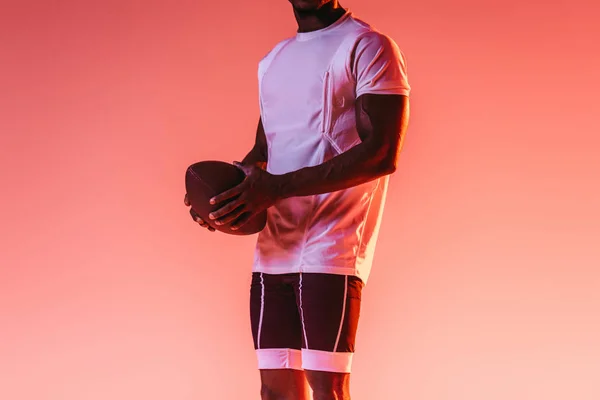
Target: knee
<point>331,390</point>
<point>267,393</point>
<point>330,394</point>
<point>283,385</point>
<point>329,386</point>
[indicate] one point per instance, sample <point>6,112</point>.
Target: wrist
<point>282,186</point>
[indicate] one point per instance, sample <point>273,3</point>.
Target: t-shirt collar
<point>303,36</point>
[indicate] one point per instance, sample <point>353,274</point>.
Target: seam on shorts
<point>262,309</point>
<point>302,311</point>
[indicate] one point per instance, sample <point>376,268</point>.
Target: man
<point>334,110</point>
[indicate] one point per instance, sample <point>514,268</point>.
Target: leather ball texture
<point>206,179</point>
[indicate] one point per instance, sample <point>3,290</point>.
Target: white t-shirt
<point>308,85</point>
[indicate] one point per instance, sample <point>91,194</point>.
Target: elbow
<point>382,166</point>
<point>386,160</point>
<point>382,156</point>
<point>387,167</point>
<point>390,168</point>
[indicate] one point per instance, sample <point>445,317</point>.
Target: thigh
<point>329,307</point>
<point>275,321</point>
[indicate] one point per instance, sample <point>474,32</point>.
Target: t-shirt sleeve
<point>379,66</point>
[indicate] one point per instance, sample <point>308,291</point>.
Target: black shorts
<point>305,320</point>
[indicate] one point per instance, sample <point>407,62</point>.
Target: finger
<point>232,216</point>
<point>241,221</point>
<point>228,194</point>
<point>226,209</point>
<point>205,225</point>
<point>196,217</point>
<point>223,211</point>
<point>186,201</point>
<point>202,223</point>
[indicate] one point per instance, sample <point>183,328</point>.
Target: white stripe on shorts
<point>262,309</point>
<point>302,312</point>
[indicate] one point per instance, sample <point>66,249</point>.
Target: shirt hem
<point>319,269</point>
<point>398,91</point>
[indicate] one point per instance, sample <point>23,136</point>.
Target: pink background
<point>486,282</point>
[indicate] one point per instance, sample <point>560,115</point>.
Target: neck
<point>309,21</point>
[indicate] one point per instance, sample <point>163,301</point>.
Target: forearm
<point>356,166</point>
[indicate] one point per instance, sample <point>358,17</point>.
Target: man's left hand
<point>257,192</point>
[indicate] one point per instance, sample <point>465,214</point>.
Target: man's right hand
<point>196,217</point>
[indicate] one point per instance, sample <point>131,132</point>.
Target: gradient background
<point>486,282</point>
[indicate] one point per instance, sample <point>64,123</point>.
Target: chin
<point>308,5</point>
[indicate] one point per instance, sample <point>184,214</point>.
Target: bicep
<point>382,89</point>
<point>382,118</point>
